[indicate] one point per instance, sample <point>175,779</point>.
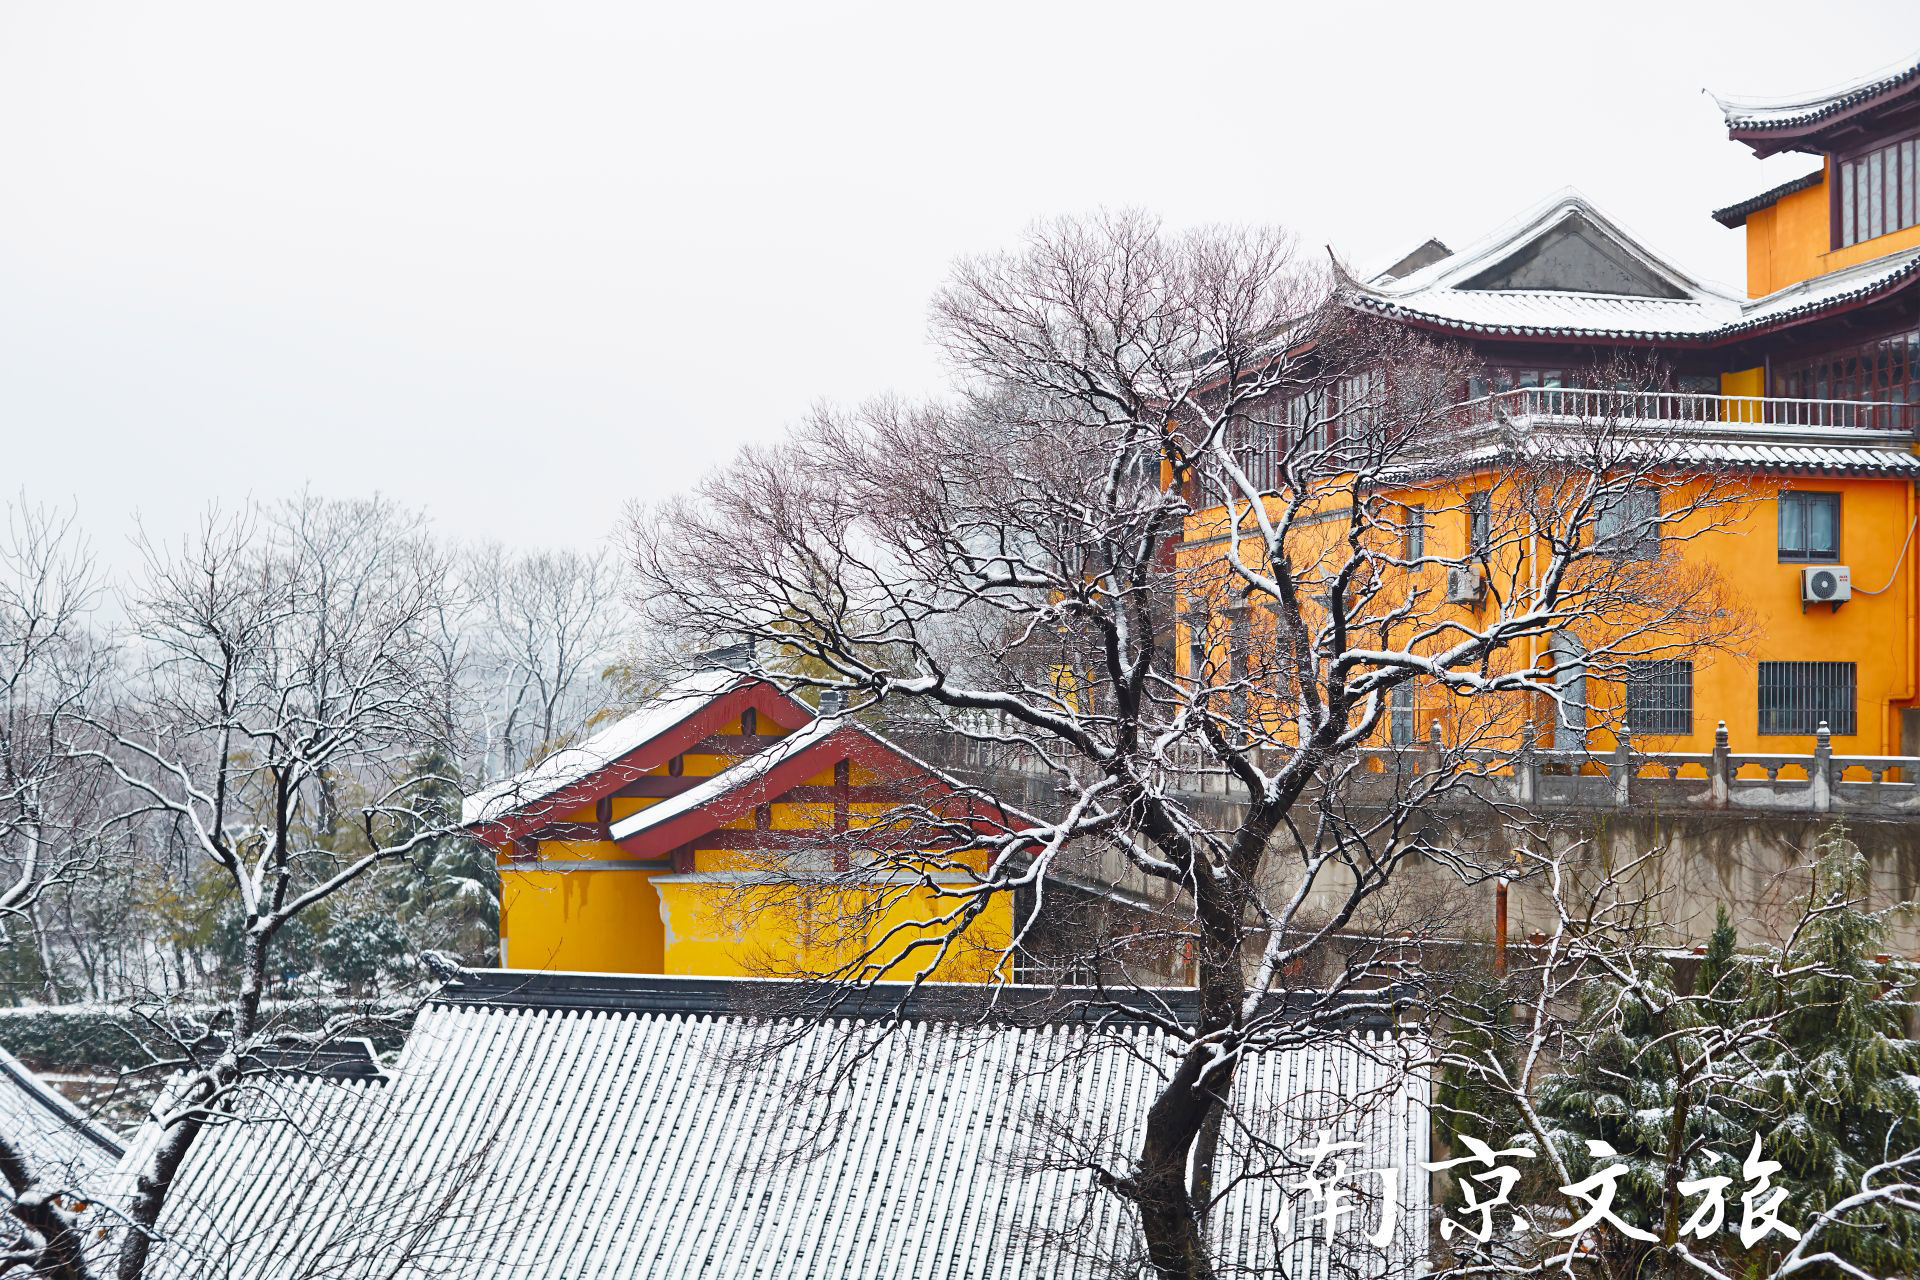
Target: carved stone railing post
<point>1720,775</point>
<point>1526,766</point>
<point>1622,768</point>
<point>1820,774</point>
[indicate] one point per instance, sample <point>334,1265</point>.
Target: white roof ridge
<point>1636,299</point>
<point>1815,284</point>
<point>61,1108</point>
<point>735,775</point>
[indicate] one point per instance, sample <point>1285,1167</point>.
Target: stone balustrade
<point>1531,776</point>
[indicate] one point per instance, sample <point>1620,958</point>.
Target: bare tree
<point>1162,442</point>
<point>282,704</point>
<point>49,663</point>
<point>548,624</point>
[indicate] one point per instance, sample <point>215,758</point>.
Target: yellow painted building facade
<point>713,832</point>
<point>668,842</point>
<point>1804,397</point>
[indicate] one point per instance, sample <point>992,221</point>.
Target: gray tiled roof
<point>622,1138</point>
<point>1736,214</point>
<point>63,1145</point>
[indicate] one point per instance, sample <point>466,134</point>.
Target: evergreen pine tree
<point>1844,1093</point>
<point>1716,967</point>
<point>1639,1079</point>
<point>453,899</point>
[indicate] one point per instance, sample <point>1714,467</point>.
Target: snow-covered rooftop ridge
<point>62,1143</point>
<point>1778,113</point>
<point>743,773</point>
<point>569,765</point>
<point>1521,231</point>
<point>756,766</point>
<point>1834,284</point>
<point>1457,292</point>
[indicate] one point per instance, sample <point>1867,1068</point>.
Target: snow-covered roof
<point>1836,287</point>
<point>1750,114</point>
<point>1513,283</point>
<point>64,1146</point>
<point>600,1126</point>
<point>569,765</point>
<point>743,773</point>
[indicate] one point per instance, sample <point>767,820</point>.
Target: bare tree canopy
<point>1023,564</point>
<point>281,706</point>
<point>49,659</point>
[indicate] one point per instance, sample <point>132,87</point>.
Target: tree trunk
<point>1170,1219</point>
<point>1204,1152</point>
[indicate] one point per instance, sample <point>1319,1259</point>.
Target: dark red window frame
<point>1850,205</point>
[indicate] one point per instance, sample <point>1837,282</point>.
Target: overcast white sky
<point>519,263</point>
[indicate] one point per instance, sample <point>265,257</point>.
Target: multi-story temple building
<point>634,851</point>
<point>1807,391</point>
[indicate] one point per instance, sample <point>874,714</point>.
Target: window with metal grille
<point>1413,533</point>
<point>1626,525</point>
<point>1660,696</point>
<point>1797,697</point>
<point>1480,524</point>
<point>1809,526</point>
<point>1400,726</point>
<point>1878,193</point>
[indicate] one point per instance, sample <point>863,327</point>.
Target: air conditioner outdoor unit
<point>1827,584</point>
<point>1465,585</point>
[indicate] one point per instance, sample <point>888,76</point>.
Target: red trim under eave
<point>701,722</point>
<point>845,743</point>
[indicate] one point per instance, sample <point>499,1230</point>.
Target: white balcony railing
<point>1591,404</point>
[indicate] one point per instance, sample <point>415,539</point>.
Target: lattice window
<point>1879,192</point>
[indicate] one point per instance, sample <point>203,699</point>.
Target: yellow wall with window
<point>1792,240</point>
<point>1739,543</point>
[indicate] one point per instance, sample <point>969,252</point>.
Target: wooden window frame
<point>1900,174</point>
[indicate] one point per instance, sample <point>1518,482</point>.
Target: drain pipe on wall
<point>1500,927</point>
